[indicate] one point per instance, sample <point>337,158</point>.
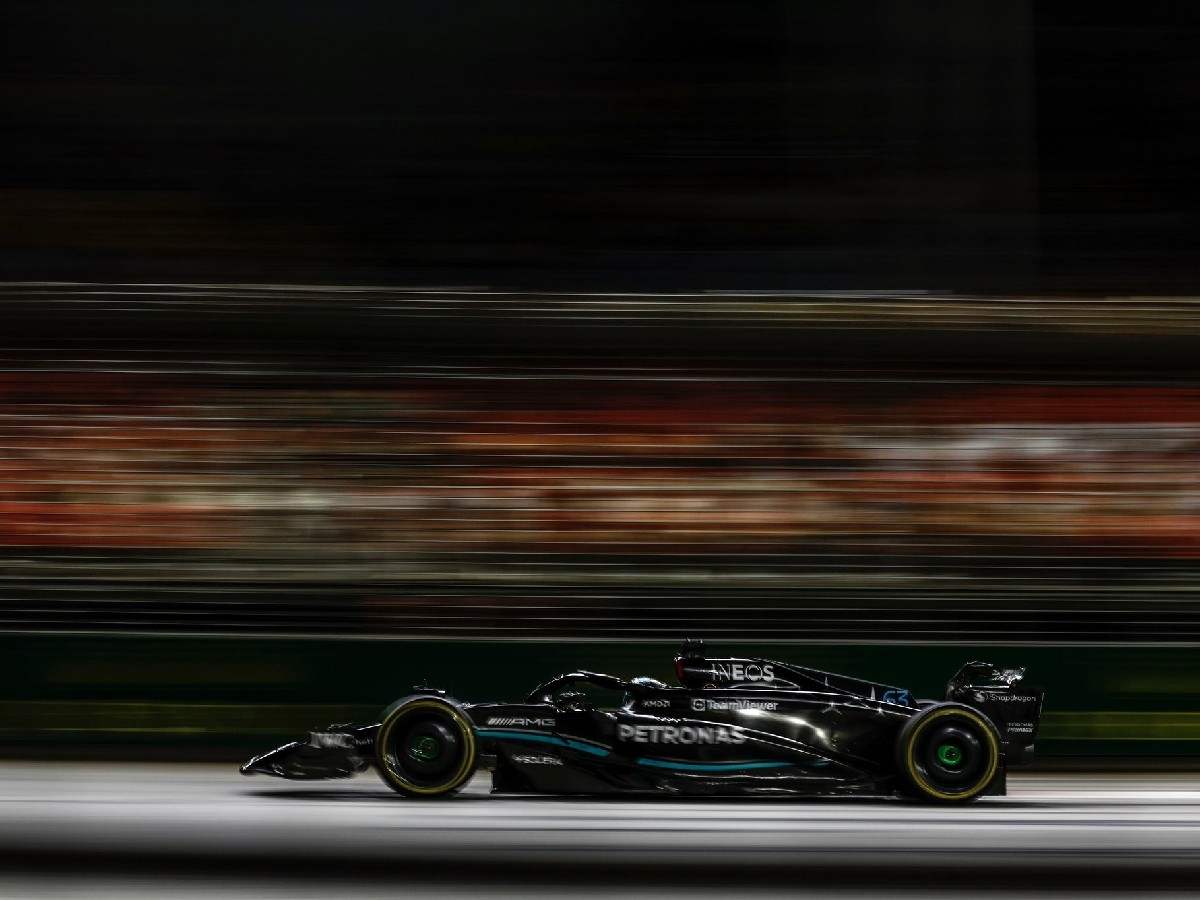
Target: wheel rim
<point>424,748</point>
<point>950,755</point>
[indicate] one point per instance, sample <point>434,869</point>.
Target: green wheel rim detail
<point>949,754</point>
<point>425,748</point>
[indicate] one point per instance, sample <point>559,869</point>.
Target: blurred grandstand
<point>213,484</point>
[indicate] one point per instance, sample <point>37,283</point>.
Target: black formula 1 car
<point>734,726</point>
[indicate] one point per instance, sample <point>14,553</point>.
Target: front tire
<point>426,747</point>
<point>948,752</point>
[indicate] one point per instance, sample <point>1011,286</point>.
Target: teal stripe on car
<point>598,750</point>
<point>553,739</point>
<point>711,767</point>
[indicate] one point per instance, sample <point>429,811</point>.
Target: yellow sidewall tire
<point>391,774</point>
<point>906,753</point>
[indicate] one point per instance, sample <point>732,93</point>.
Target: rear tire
<point>948,752</point>
<point>426,747</point>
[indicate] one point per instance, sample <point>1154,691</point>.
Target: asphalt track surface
<point>192,830</point>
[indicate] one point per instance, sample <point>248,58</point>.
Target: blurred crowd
<point>428,476</point>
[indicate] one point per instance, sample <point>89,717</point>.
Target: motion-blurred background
<point>344,346</point>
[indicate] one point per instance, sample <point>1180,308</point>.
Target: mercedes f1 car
<point>733,726</point>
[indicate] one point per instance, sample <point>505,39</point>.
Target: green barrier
<point>242,693</point>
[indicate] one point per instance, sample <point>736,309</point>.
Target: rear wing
<point>1004,697</point>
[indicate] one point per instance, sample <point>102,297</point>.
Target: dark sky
<point>957,145</point>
